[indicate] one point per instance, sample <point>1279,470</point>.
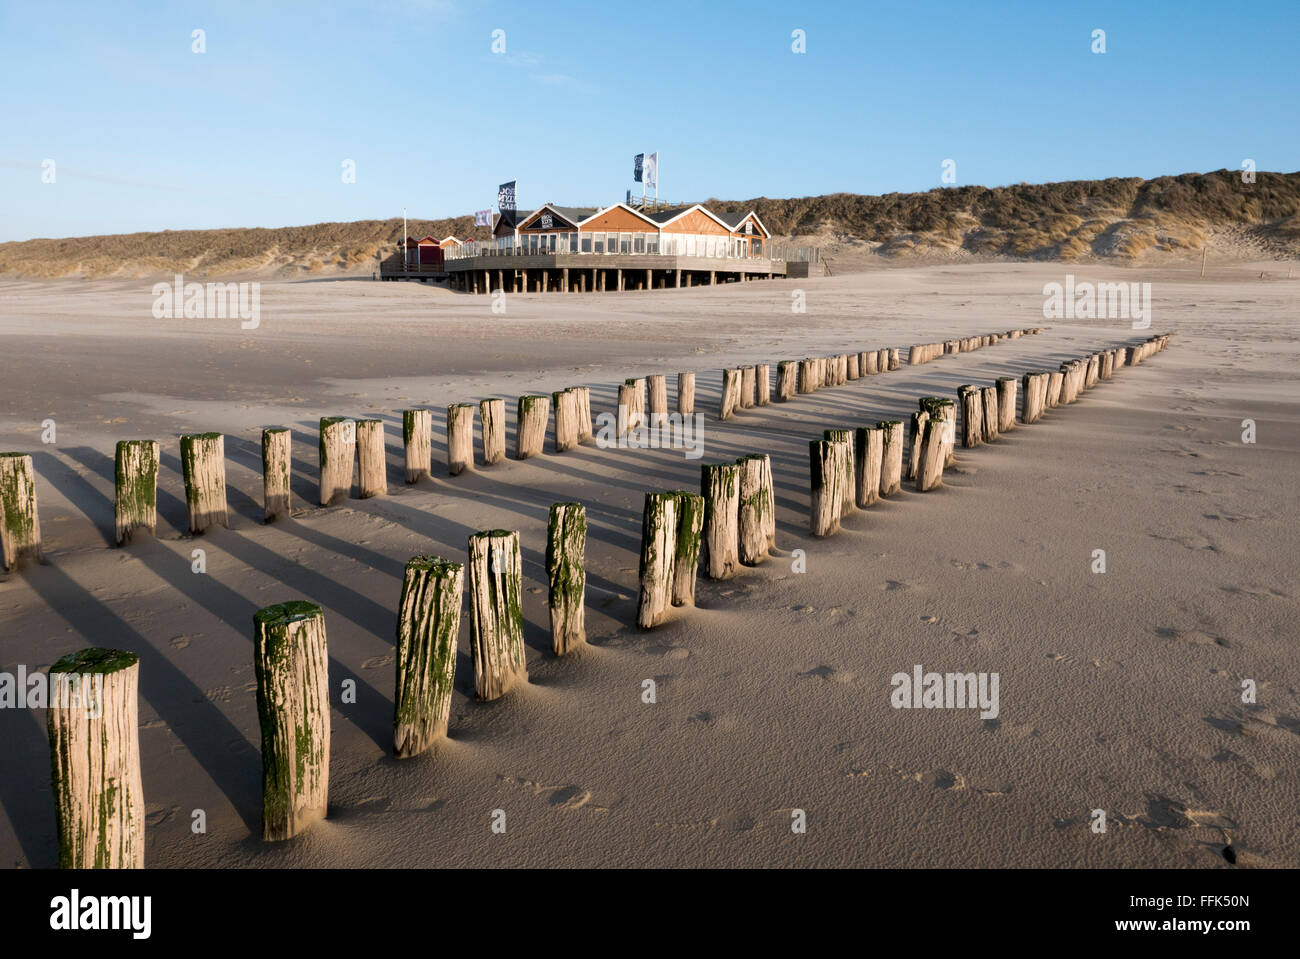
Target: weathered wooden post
<point>882,361</point>
<point>530,425</point>
<point>686,394</point>
<point>566,420</point>
<point>135,500</point>
<point>891,461</point>
<point>915,433</point>
<point>372,459</point>
<point>787,376</point>
<point>748,386</point>
<point>566,570</point>
<point>989,404</point>
<point>631,406</point>
<point>826,474</point>
<point>806,372</point>
<point>757,523</point>
<point>582,396</point>
<point>893,358</point>
<point>338,454</point>
<point>291,664</point>
<point>658,551</point>
<point>929,474</point>
<point>730,393</point>
<point>1006,403</point>
<point>843,440</point>
<point>853,371</point>
<point>720,486</point>
<point>277,468</point>
<point>495,590</point>
<point>492,414</point>
<point>428,627</point>
<point>868,456</point>
<point>763,382</point>
<point>94,729</point>
<point>690,523</point>
<point>871,360</point>
<point>460,438</point>
<point>203,465</point>
<point>1029,405</point>
<point>658,387</point>
<point>972,415</point>
<point>417,441</point>
<point>1055,383</point>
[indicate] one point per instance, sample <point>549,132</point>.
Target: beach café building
<point>571,249</point>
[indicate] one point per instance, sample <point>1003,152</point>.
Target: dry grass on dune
<point>1120,220</point>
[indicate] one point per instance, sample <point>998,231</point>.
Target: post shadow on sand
<point>194,719</point>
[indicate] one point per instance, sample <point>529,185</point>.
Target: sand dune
<point>1119,691</point>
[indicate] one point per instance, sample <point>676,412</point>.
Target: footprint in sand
<point>1194,637</point>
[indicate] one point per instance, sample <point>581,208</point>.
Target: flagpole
<point>406,254</point>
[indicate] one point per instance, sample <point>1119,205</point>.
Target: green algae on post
<point>417,442</point>
<point>530,425</point>
<point>566,549</point>
<point>497,621</point>
<point>135,482</point>
<point>93,724</point>
<point>203,464</point>
<point>291,663</point>
<point>20,525</point>
<point>428,627</point>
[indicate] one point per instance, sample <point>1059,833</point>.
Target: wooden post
<point>893,358</point>
<point>868,457</point>
<point>658,551</point>
<point>756,528</point>
<point>372,459</point>
<point>843,440</point>
<point>720,486</point>
<point>806,373</point>
<point>94,730</point>
<point>658,387</point>
<point>1006,403</point>
<point>763,383</point>
<point>417,440</point>
<point>787,374</point>
<point>291,663</point>
<point>338,453</point>
<point>1029,390</point>
<point>460,438</point>
<point>730,393</point>
<point>277,467</point>
<point>747,387</point>
<point>929,474</point>
<point>630,410</point>
<point>989,404</point>
<point>690,522</point>
<point>566,570</point>
<point>428,627</point>
<point>686,394</point>
<point>1055,382</point>
<point>882,361</point>
<point>203,464</point>
<point>972,415</point>
<point>582,396</point>
<point>825,473</point>
<point>915,433</point>
<point>495,588</point>
<point>853,371</point>
<point>530,425</point>
<point>871,361</point>
<point>566,420</point>
<point>135,501</point>
<point>492,414</point>
<point>891,460</point>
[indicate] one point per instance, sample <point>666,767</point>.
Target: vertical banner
<point>636,167</point>
<point>651,171</point>
<point>506,196</point>
<point>482,217</point>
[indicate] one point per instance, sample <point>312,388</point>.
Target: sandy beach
<point>1119,691</point>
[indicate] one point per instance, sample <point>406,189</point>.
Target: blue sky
<point>146,134</point>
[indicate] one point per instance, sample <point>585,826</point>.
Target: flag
<point>651,171</point>
<point>482,217</point>
<point>506,197</point>
<point>636,167</point>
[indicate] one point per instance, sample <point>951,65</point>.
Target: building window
<point>611,243</point>
<point>652,243</point>
<point>638,243</point>
<point>600,242</point>
<point>625,243</point>
<point>586,242</point>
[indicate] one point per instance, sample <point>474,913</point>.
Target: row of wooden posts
<point>94,726</point>
<point>354,449</point>
<point>852,469</point>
